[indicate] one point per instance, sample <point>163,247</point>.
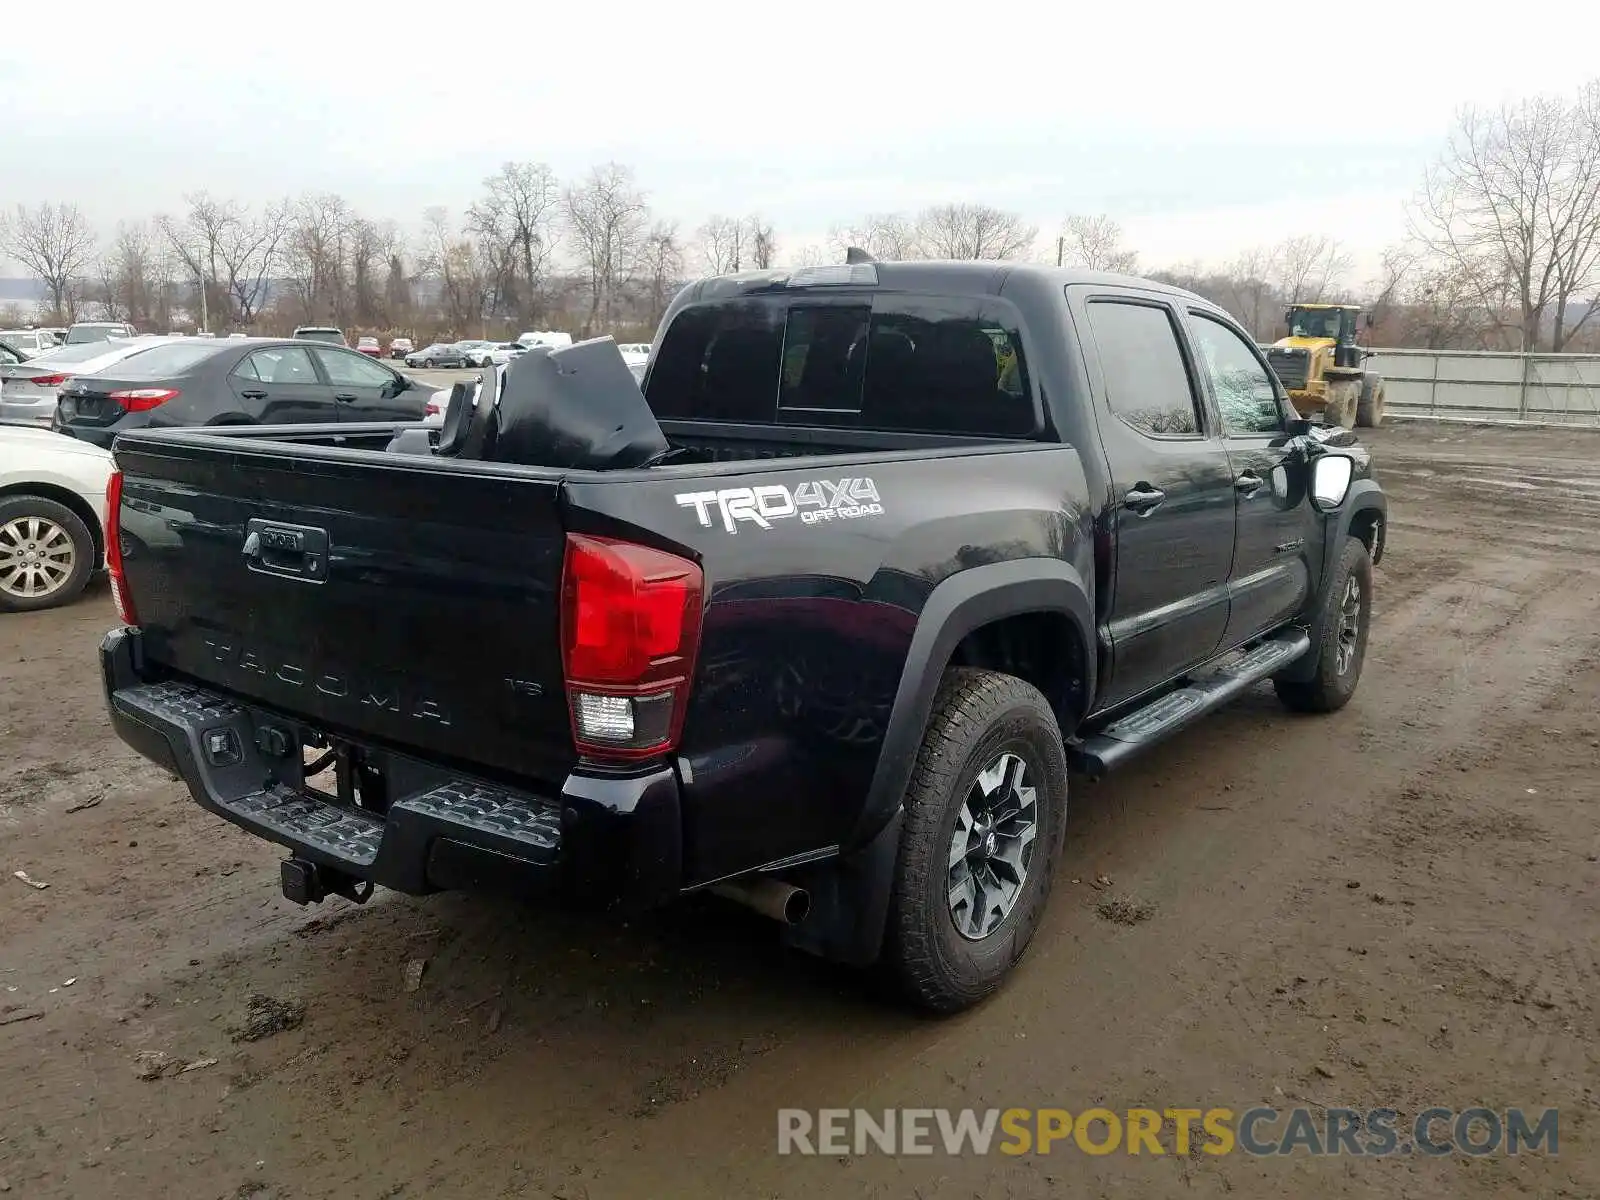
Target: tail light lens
<point>432,409</point>
<point>144,399</point>
<point>119,582</point>
<point>630,627</point>
<point>49,380</point>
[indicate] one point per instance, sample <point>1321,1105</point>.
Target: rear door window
<point>286,364</point>
<point>1147,384</point>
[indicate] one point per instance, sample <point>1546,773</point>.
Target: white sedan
<point>52,517</point>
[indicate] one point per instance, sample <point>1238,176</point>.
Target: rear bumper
<point>26,410</point>
<point>603,839</point>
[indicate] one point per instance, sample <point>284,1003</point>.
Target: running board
<point>1160,719</point>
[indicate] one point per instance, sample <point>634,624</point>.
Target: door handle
<point>1249,483</point>
<point>254,394</point>
<point>345,397</point>
<point>1143,499</point>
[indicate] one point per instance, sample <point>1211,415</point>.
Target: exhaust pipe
<point>783,902</point>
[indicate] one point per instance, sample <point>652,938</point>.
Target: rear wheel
<point>46,554</point>
<point>1343,646</point>
<point>428,363</point>
<point>1369,409</point>
<point>985,812</point>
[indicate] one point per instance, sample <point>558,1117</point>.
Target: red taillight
<point>431,409</point>
<point>144,399</point>
<point>49,380</point>
<point>119,582</point>
<point>630,626</point>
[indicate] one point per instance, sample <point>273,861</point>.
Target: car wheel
<point>985,814</point>
<point>46,554</point>
<point>427,363</point>
<point>1342,649</point>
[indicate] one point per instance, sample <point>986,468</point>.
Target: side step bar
<point>1160,719</point>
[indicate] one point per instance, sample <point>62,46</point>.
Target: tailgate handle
<point>293,551</point>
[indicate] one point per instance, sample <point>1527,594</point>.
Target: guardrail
<point>1557,389</point>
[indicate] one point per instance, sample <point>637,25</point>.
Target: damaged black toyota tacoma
<point>820,621</point>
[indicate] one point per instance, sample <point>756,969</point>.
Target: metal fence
<point>1561,389</point>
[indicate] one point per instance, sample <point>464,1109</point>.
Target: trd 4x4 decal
<point>813,501</point>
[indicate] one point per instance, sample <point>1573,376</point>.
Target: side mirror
<point>1330,480</point>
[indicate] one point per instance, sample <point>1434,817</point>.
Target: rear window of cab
<point>902,363</point>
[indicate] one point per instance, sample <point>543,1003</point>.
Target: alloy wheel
<point>992,846</point>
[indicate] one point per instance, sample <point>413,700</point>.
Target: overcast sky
<point>1192,128</point>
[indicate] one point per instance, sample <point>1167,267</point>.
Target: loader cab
<point>1336,323</point>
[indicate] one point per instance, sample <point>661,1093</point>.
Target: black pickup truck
<point>820,622</point>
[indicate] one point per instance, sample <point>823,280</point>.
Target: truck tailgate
<point>387,602</point>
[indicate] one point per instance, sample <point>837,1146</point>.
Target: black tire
<point>1334,682</point>
<point>53,516</point>
<point>1369,408</point>
<point>978,717</point>
<point>427,364</point>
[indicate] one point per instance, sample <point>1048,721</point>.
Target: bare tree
<point>973,231</point>
<point>316,258</point>
<point>1310,268</point>
<point>720,242</point>
<point>128,275</point>
<point>811,255</point>
<point>1250,295</point>
<point>763,243</point>
<point>1095,243</point>
<point>515,221</point>
<point>450,258</point>
<point>891,237</point>
<point>248,249</point>
<point>661,265</point>
<point>196,242</point>
<point>54,243</point>
<point>606,218</point>
<point>1516,196</point>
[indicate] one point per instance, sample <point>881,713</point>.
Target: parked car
<point>400,347</point>
<point>228,382</point>
<point>440,354</point>
<point>369,346</point>
<point>52,514</point>
<point>545,337</point>
<point>820,622</point>
<point>634,349</point>
<point>321,333</point>
<point>29,342</point>
<point>29,390</point>
<point>56,331</point>
<point>98,331</point>
<point>475,352</point>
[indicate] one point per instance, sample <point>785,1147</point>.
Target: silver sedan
<point>28,389</point>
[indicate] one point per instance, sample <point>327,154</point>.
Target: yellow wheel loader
<point>1321,366</point>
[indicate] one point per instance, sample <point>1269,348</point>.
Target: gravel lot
<point>1394,906</point>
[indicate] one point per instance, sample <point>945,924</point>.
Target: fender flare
<point>958,605</point>
<point>1365,496</point>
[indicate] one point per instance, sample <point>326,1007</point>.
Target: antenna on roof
<point>855,254</point>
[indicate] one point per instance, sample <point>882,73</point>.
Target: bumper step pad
<point>392,846</point>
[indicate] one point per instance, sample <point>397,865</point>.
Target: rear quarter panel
<point>811,612</point>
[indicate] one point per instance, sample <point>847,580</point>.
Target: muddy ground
<point>1393,906</point>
